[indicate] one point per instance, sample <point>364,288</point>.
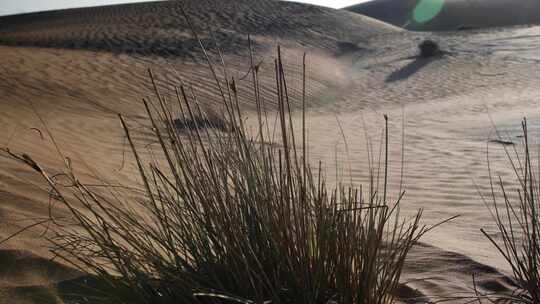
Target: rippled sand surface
<point>77,69</point>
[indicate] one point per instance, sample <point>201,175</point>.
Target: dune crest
<point>160,28</point>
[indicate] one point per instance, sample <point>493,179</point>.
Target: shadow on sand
<point>410,69</point>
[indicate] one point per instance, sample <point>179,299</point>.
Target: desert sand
<point>76,69</point>
<point>424,15</point>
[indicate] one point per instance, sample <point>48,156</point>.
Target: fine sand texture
<point>453,14</point>
<point>75,70</point>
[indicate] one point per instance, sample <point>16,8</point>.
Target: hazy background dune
<point>78,68</point>
<point>449,15</point>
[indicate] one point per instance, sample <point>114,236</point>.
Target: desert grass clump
<point>518,223</point>
<point>232,217</point>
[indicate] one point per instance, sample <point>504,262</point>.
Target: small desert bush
<point>232,217</point>
<point>518,221</point>
<point>429,48</point>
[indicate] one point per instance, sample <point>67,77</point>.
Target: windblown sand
<point>77,69</point>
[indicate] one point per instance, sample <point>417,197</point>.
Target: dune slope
<point>161,28</point>
<point>424,15</point>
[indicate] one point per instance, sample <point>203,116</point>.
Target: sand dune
<point>160,28</point>
<point>455,14</point>
<point>78,68</point>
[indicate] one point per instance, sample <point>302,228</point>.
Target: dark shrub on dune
<point>429,48</point>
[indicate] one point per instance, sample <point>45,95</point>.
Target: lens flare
<point>426,10</point>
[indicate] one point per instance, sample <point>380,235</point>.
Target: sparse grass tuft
<point>226,218</point>
<point>518,222</point>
